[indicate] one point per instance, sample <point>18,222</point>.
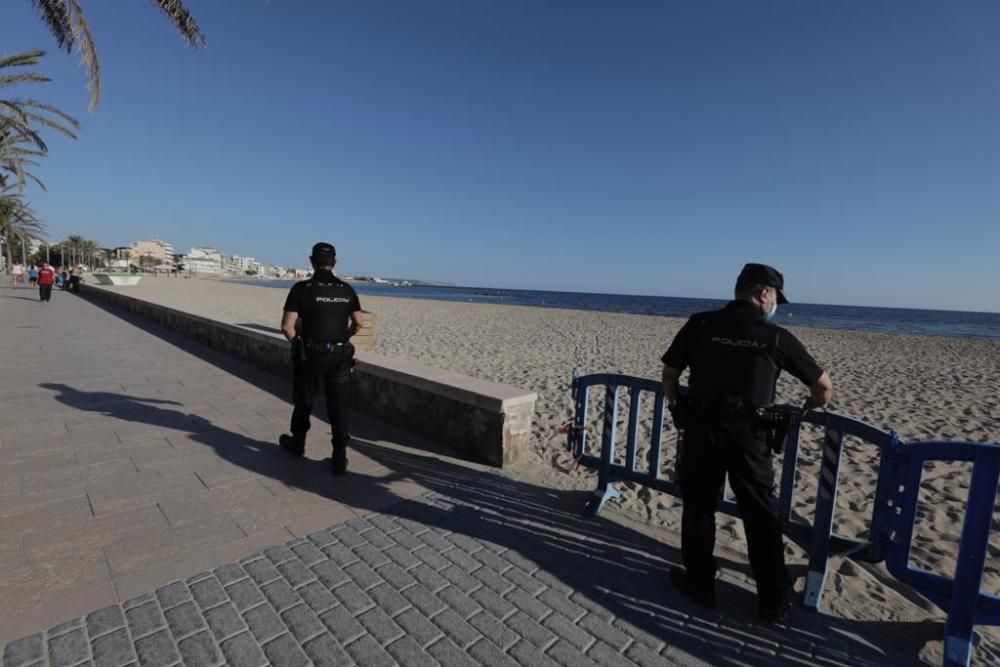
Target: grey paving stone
<point>208,593</point>
<point>566,655</point>
<point>105,620</point>
<point>463,560</point>
<point>113,649</point>
<point>529,655</point>
<point>408,652</point>
<point>359,525</point>
<point>321,538</point>
<point>308,553</point>
<point>531,630</point>
<point>459,602</point>
<point>280,594</point>
<point>228,574</point>
<point>242,651</point>
<point>340,554</point>
<point>435,541</point>
<point>432,558</point>
<point>224,621</point>
<point>527,604</point>
<point>285,652</point>
<point>605,632</point>
<point>553,582</point>
<point>342,625</point>
<point>454,576</point>
<point>650,640</point>
<point>24,651</point>
<point>445,652</point>
<point>495,582</point>
<point>456,628</point>
<point>562,604</point>
<point>198,577</point>
<point>402,557</point>
<point>494,630</point>
<point>379,625</point>
<point>66,627</point>
<point>642,655</point>
<point>139,600</point>
<point>491,560</point>
<point>405,539</point>
<point>396,576</point>
<point>348,537</point>
<point>429,578</point>
<point>244,594</point>
<point>302,622</point>
<point>366,651</point>
<point>418,627</point>
<point>184,620</point>
<point>493,602</point>
<point>261,570</point>
<point>264,622</point>
<point>567,631</point>
<point>520,561</point>
<point>325,651</point>
<point>362,575</point>
<point>199,649</point>
<point>421,598</point>
<point>384,522</point>
<point>378,539</point>
<point>330,574</point>
<point>353,598</point>
<point>173,595</point>
<point>524,581</point>
<point>156,650</point>
<point>467,544</point>
<point>317,596</point>
<point>145,619</point>
<point>295,572</point>
<point>388,599</point>
<point>486,653</point>
<point>371,556</point>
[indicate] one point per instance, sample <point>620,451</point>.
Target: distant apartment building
<point>118,258</point>
<point>204,260</point>
<point>153,251</point>
<point>242,266</point>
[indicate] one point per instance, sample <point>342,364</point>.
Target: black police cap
<point>762,274</point>
<point>323,250</point>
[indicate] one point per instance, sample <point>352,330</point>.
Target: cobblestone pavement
<point>478,569</point>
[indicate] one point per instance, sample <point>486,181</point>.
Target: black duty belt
<point>324,346</point>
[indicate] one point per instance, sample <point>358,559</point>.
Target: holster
<point>775,423</point>
<point>298,350</point>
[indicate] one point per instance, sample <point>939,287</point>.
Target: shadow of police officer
<point>735,356</point>
<point>320,316</point>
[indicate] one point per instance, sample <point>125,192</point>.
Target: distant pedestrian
<point>17,273</point>
<point>64,282</point>
<point>46,278</point>
<point>33,275</point>
<point>328,313</point>
<point>74,278</point>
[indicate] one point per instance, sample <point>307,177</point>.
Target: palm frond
<point>27,77</point>
<point>79,29</point>
<point>22,58</point>
<point>42,106</point>
<point>182,20</point>
<point>53,14</point>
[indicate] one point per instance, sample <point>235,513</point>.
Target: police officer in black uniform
<point>735,355</point>
<point>321,314</point>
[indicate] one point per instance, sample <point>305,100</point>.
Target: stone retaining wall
<point>487,421</point>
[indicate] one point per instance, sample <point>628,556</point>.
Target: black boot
<point>292,445</point>
<point>340,461</point>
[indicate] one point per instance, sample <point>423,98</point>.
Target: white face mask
<point>772,311</point>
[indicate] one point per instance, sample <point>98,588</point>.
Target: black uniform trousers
<point>331,370</point>
<point>710,450</point>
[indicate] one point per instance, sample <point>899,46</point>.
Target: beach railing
<point>893,510</point>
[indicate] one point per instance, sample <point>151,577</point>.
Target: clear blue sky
<point>639,147</point>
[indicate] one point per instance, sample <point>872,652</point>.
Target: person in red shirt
<point>46,279</point>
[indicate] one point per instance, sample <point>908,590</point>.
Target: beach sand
<point>926,388</point>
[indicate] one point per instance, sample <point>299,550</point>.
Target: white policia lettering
<point>336,299</point>
<point>739,342</point>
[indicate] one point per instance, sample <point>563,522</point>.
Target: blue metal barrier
<point>894,518</point>
<point>893,512</point>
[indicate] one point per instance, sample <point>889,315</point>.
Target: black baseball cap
<point>324,250</point>
<point>762,274</point>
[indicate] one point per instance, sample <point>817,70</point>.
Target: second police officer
<point>735,356</point>
<point>320,316</point>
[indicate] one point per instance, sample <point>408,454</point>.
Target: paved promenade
<point>146,517</point>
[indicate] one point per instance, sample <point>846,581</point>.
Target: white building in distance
<point>153,251</point>
<point>205,260</point>
<point>242,266</point>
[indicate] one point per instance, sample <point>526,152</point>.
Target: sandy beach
<point>926,388</point>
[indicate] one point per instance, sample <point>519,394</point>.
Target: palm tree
<point>20,118</point>
<point>17,218</point>
<point>69,26</point>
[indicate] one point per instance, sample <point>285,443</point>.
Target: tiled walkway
<point>146,517</point>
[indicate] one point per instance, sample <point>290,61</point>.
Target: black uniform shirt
<point>324,304</point>
<point>736,351</point>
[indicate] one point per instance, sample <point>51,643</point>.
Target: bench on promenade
<point>486,421</point>
<point>893,513</point>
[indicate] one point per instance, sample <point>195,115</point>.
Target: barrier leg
<point>971,558</point>
<point>819,546</point>
<point>788,469</point>
<point>605,489</point>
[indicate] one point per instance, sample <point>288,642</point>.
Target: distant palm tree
<point>68,25</point>
<point>17,219</point>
